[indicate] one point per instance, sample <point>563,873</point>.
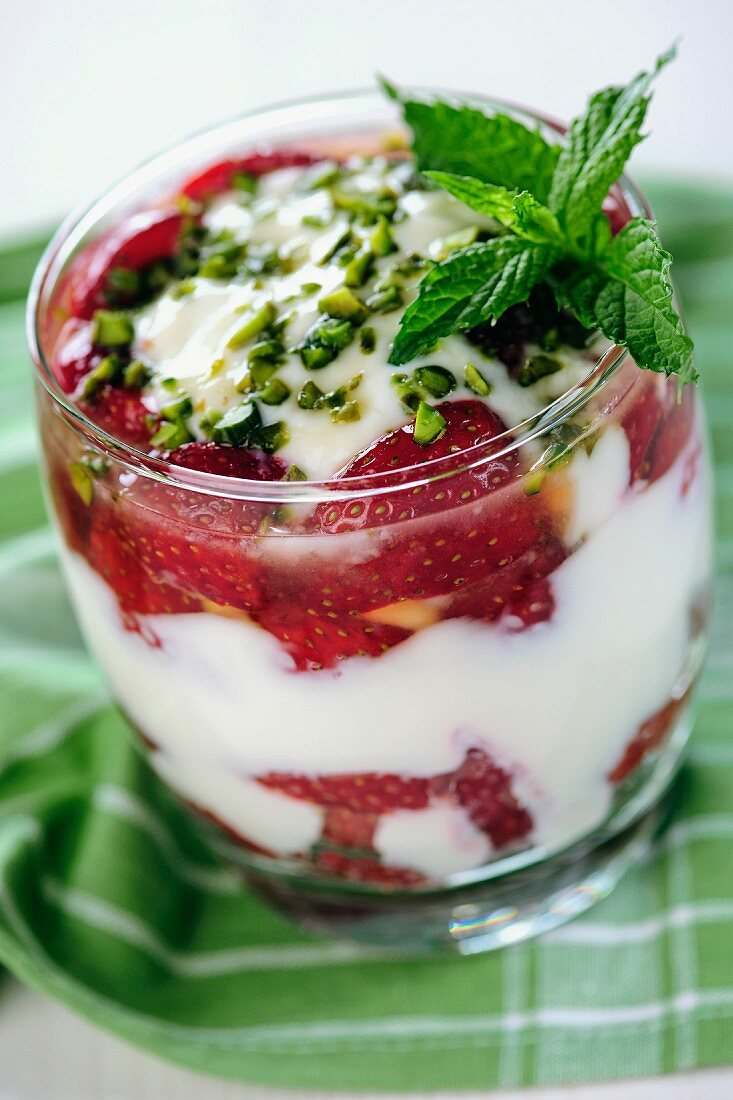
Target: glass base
<point>513,907</point>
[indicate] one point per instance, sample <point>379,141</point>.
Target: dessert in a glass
<point>415,639</point>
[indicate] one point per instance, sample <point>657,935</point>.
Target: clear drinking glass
<point>494,747</point>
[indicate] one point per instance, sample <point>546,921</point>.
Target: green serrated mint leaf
<point>495,148</point>
<point>474,284</point>
<point>517,211</point>
<point>628,296</point>
<point>599,143</point>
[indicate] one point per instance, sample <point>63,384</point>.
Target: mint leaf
<point>463,139</point>
<point>475,284</point>
<point>518,211</point>
<point>628,295</point>
<point>599,143</point>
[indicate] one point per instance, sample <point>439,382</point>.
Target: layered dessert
<point>390,622</point>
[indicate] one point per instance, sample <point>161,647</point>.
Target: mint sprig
<point>547,202</point>
<point>458,137</point>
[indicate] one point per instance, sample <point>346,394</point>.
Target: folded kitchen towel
<point>110,903</point>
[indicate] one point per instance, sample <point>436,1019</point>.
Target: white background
<point>88,88</point>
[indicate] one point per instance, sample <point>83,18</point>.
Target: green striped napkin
<point>109,903</point>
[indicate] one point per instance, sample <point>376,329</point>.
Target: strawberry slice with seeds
<point>673,433</point>
<point>196,543</point>
<point>221,176</point>
<point>137,593</point>
<point>321,640</point>
<point>349,828</point>
<point>520,594</point>
<point>647,738</point>
<point>640,423</point>
<point>75,355</point>
<point>138,241</point>
<point>224,461</point>
<point>121,414</point>
<point>368,869</point>
<point>485,791</point>
<point>372,792</point>
<point>438,537</point>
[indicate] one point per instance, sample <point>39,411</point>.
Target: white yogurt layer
<point>182,337</point>
<point>556,703</point>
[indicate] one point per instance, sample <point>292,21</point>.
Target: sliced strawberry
<point>219,177</point>
<point>648,737</point>
<point>138,241</point>
<point>673,433</point>
<point>137,594</point>
<point>349,828</point>
<point>215,458</point>
<point>318,639</point>
<point>121,414</point>
<point>375,792</point>
<point>424,541</point>
<point>640,422</point>
<point>75,354</point>
<point>520,593</point>
<point>469,424</point>
<point>485,791</point>
<point>367,869</point>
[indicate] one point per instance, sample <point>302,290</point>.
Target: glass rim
<point>334,106</point>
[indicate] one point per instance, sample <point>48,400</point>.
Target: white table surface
<point>47,1053</point>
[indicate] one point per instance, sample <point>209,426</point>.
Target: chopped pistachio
<point>407,391</point>
<point>208,419</point>
<point>307,290</point>
<point>438,381</point>
<point>429,425</point>
<point>367,339</point>
<point>170,436</point>
<point>324,341</point>
<point>237,425</point>
<point>177,410</point>
<point>359,267</point>
<point>326,246</point>
<point>183,289</point>
<point>462,238</point>
<point>311,397</point>
<point>338,397</point>
<point>275,392</point>
<point>533,481</point>
<point>381,239</point>
<point>217,267</point>
<point>122,281</point>
<point>112,329</point>
<point>82,482</point>
<point>294,473</point>
<point>257,320</point>
<point>343,303</point>
<point>271,437</point>
<point>319,175</point>
<point>217,367</point>
<point>538,366</point>
<point>475,380</point>
<point>261,371</point>
<point>385,301</point>
<point>347,413</point>
<point>244,182</point>
<point>107,370</point>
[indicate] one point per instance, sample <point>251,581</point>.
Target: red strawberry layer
<point>647,738</point>
<point>658,426</point>
<point>135,243</point>
<point>220,177</point>
<point>427,541</point>
<point>121,414</point>
<point>355,801</point>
